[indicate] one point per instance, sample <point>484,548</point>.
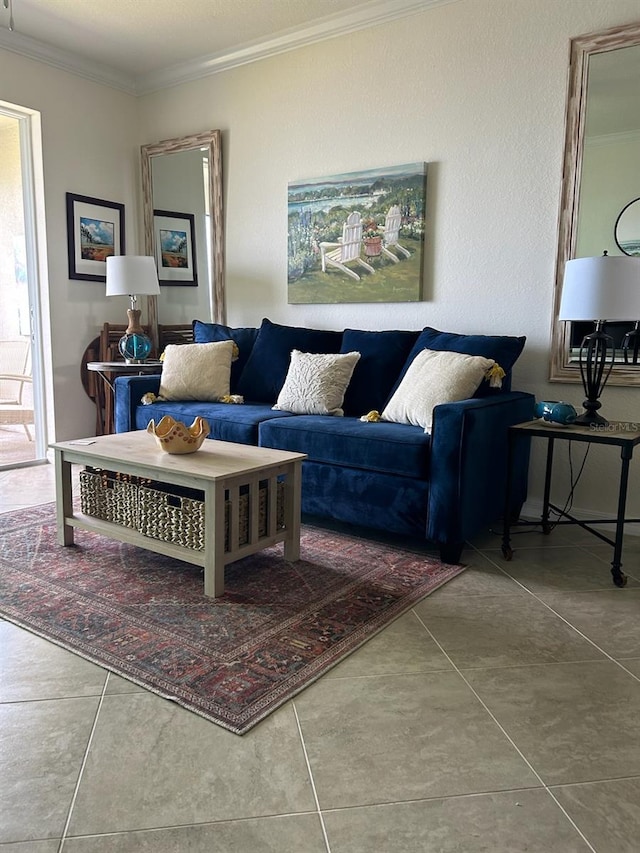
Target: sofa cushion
<point>382,357</point>
<point>385,447</point>
<point>503,349</point>
<point>228,422</point>
<point>266,369</point>
<point>196,371</point>
<point>205,333</point>
<point>434,378</point>
<point>316,383</point>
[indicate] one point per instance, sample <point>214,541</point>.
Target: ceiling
<point>142,45</point>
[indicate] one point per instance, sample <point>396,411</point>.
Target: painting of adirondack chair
<point>348,249</point>
<point>391,234</point>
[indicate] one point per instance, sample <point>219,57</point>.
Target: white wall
<point>89,142</point>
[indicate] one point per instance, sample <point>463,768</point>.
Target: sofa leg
<point>451,552</point>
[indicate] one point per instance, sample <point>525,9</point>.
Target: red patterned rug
<point>234,659</point>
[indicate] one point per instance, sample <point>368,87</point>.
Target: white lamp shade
<point>603,288</point>
<point>132,274</point>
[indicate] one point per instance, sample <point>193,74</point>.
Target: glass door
<point>22,417</point>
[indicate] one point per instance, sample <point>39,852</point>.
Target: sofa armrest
<point>128,391</point>
<point>469,464</point>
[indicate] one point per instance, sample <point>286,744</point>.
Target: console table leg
<point>546,528</point>
<point>507,551</point>
<point>619,578</point>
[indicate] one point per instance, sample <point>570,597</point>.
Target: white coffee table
<point>219,469</point>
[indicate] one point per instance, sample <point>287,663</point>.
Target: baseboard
<point>533,509</point>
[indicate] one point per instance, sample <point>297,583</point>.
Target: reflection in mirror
<point>627,230</point>
<point>182,200</point>
<point>602,149</point>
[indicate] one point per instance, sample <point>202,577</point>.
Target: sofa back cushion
<point>382,356</point>
<point>503,349</point>
<point>266,369</point>
<point>244,338</point>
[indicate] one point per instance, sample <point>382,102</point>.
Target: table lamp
<point>599,289</point>
<point>133,276</point>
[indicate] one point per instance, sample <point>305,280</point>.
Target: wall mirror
<point>602,149</point>
<point>183,228</point>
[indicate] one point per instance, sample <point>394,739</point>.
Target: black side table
<point>623,435</point>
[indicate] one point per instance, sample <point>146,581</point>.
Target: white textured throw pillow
<point>435,377</point>
<point>316,383</point>
<point>196,371</point>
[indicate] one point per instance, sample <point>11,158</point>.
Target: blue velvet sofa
<point>446,486</point>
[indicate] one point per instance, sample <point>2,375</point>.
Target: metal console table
<point>623,435</point>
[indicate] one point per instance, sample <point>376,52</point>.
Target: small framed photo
<point>175,246</point>
<point>95,230</point>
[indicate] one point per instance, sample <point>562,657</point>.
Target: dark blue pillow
<point>382,356</point>
<point>503,349</point>
<point>266,369</point>
<point>245,338</point>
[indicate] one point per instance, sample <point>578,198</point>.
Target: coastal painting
<point>95,232</point>
<point>357,236</point>
<point>96,239</point>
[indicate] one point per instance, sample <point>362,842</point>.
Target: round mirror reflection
<point>627,228</point>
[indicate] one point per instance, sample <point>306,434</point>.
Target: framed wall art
<point>95,230</point>
<point>175,247</point>
<point>357,236</point>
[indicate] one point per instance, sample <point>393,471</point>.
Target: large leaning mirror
<point>602,150</point>
<point>183,228</point>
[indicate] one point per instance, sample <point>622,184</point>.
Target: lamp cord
<point>568,503</point>
<point>574,482</point>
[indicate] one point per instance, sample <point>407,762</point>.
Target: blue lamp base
<point>135,346</point>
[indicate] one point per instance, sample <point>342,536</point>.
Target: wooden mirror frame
<point>582,47</point>
<point>212,141</point>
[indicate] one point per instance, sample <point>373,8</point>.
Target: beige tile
<point>404,646</point>
<point>49,846</point>
<point>387,738</point>
<point>20,487</point>
<point>33,668</point>
<point>633,665</point>
<point>165,766</point>
<point>543,570</point>
<point>501,630</point>
<point>483,576</point>
<point>608,813</point>
<point>611,618</point>
<point>575,722</point>
<point>290,834</point>
<point>117,684</point>
<point>500,823</point>
<point>42,745</point>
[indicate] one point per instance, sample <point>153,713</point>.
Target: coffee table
<point>220,469</point>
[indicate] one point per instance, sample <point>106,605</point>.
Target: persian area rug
<point>278,627</point>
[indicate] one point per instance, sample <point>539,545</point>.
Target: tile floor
<point>501,714</point>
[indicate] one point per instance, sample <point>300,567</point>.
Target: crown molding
<point>342,23</point>
<point>62,59</point>
<point>333,25</point>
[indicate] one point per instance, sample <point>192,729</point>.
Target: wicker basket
<point>163,511</point>
<point>109,496</point>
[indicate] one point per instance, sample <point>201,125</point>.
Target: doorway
<point>22,410</point>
